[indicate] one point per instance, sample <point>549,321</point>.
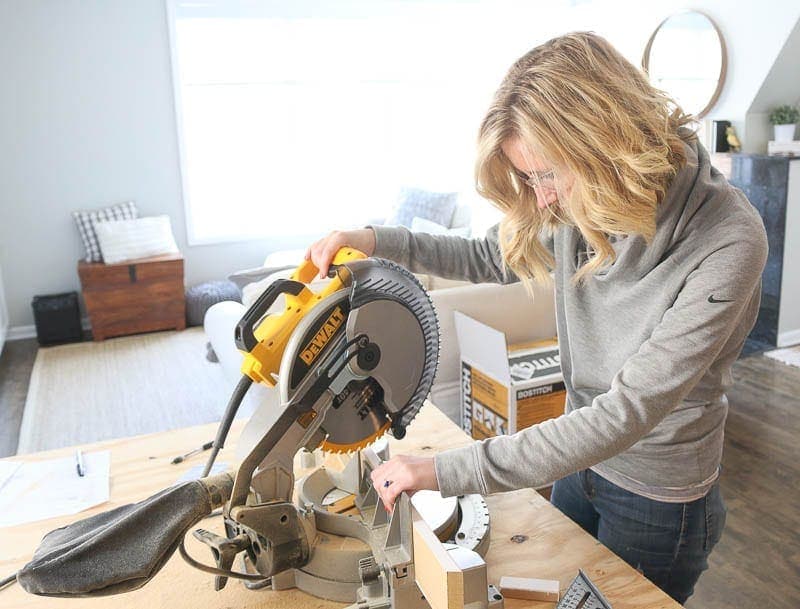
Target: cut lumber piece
<point>529,588</point>
<point>438,576</point>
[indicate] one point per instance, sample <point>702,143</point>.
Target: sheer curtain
<point>296,118</point>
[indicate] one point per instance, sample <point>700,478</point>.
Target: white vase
<point>784,133</point>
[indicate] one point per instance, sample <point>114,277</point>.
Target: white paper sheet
<point>194,473</point>
<point>7,470</point>
<point>45,489</point>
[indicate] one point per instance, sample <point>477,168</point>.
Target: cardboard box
<point>505,388</point>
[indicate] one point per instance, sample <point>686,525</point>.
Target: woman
<point>657,263</point>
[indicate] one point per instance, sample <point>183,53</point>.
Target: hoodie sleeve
<point>477,260</point>
<point>689,338</point>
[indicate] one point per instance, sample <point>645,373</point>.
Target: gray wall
<point>86,119</point>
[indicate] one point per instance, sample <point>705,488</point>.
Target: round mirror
<point>686,57</point>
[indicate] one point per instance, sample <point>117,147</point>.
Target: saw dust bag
<point>122,549</point>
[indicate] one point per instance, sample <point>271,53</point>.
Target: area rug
<point>86,392</point>
<point>789,355</point>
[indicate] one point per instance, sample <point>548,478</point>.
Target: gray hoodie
<point>646,345</point>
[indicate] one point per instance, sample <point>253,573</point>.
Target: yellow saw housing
<point>263,361</point>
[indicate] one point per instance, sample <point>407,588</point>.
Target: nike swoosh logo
<point>713,300</point>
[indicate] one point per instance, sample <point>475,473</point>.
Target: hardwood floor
<point>757,562</point>
<point>16,364</point>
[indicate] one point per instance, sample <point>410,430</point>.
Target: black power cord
<point>7,581</point>
<point>227,419</point>
<point>214,570</point>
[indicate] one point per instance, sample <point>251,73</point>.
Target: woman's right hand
<point>321,252</point>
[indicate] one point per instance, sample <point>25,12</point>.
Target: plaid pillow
<point>85,221</point>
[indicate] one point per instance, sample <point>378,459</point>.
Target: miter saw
<point>349,363</point>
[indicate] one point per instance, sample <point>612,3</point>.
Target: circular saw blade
<point>387,304</point>
<point>356,418</point>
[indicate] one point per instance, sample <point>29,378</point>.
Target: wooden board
<point>438,576</point>
<point>530,588</point>
<point>555,547</point>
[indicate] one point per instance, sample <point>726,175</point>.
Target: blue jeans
<point>668,542</point>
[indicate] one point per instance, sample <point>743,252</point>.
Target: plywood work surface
<point>554,548</point>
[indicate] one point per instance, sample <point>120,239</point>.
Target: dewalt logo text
<point>321,338</point>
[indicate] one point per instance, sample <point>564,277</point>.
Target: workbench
<point>553,548</point>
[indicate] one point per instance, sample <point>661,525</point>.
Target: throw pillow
<point>435,206</point>
<point>85,219</point>
<point>200,298</point>
<point>122,240</point>
<point>285,258</point>
<point>421,225</point>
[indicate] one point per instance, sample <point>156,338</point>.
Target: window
<point>296,118</point>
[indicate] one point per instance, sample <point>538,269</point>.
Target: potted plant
<point>784,118</point>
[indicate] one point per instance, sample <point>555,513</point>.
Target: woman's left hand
<point>403,473</point>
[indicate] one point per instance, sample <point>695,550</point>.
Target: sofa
<point>508,308</point>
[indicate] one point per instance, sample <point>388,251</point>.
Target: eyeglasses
<point>543,180</point>
<point>544,184</point>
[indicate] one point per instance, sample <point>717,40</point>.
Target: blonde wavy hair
<point>581,105</point>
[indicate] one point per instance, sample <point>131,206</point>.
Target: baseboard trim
<point>21,332</point>
<point>787,339</point>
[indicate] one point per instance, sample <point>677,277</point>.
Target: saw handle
<point>243,336</point>
<point>307,271</point>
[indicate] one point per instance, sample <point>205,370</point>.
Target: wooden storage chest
<point>136,296</point>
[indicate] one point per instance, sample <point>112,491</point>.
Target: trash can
<point>57,318</point>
